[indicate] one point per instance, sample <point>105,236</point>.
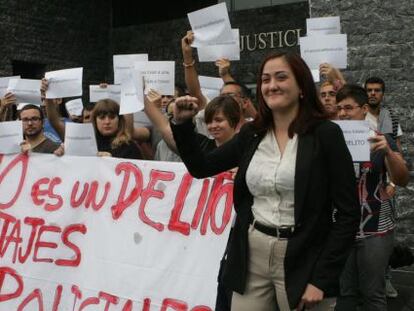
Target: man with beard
<point>35,140</point>
<point>379,117</point>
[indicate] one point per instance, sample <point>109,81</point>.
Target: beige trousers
<point>265,284</point>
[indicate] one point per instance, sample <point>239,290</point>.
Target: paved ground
<point>403,281</point>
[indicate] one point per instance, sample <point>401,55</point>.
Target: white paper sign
<point>125,62</point>
<point>11,136</point>
<point>210,86</point>
<point>142,234</point>
<point>132,93</point>
<point>229,50</point>
<point>323,26</point>
<point>64,83</point>
<point>4,83</point>
<point>25,90</point>
<point>158,75</point>
<point>80,139</point>
<point>97,93</point>
<point>356,135</point>
<point>332,49</point>
<point>74,107</point>
<point>210,25</point>
<point>315,75</point>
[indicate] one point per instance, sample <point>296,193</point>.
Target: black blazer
<point>324,179</point>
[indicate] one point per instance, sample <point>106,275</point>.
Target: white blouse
<point>270,178</point>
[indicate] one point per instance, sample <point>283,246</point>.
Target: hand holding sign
<point>379,143</point>
<point>8,100</point>
<point>210,25</point>
<point>64,83</point>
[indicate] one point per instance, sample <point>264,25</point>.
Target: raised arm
<point>199,163</point>
<point>223,65</point>
<point>190,72</point>
<point>52,111</point>
<point>152,102</point>
<point>332,74</point>
<point>396,168</point>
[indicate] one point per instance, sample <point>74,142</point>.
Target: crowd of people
<point>313,228</point>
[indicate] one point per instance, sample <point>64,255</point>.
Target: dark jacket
<point>324,179</point>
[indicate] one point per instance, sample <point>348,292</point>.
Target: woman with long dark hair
<point>111,131</point>
<point>294,168</point>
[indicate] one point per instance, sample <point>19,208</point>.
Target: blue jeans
<point>362,280</point>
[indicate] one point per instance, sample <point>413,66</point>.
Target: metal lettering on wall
<point>270,40</point>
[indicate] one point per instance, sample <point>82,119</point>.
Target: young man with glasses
<point>33,119</point>
<point>362,280</point>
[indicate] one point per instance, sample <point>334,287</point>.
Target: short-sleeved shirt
<point>46,146</point>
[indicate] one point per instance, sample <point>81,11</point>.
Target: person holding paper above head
<point>294,168</point>
<point>362,280</point>
<point>231,87</point>
<point>334,80</point>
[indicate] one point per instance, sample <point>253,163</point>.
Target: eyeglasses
<point>33,120</point>
<point>347,108</point>
<point>232,95</point>
<point>374,90</point>
<point>326,94</point>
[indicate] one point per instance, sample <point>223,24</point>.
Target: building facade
<point>50,35</point>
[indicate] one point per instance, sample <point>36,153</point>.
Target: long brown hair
<point>110,107</point>
<point>311,110</point>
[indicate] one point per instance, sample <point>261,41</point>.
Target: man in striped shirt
<point>362,280</point>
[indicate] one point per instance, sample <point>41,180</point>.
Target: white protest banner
<point>323,26</point>
<point>64,83</point>
<point>128,235</point>
<point>111,91</point>
<point>132,93</point>
<point>210,86</point>
<point>11,136</point>
<point>80,139</point>
<point>25,90</point>
<point>315,75</point>
<point>229,50</point>
<point>125,62</point>
<point>356,137</point>
<point>332,49</point>
<point>210,25</point>
<point>74,107</point>
<point>158,75</point>
<point>4,83</point>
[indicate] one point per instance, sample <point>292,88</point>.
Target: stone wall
<point>56,34</point>
<point>381,43</point>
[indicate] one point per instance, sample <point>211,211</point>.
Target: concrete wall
<point>58,34</point>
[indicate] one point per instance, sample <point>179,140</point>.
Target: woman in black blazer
<point>271,265</point>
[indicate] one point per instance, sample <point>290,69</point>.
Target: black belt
<point>283,232</point>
